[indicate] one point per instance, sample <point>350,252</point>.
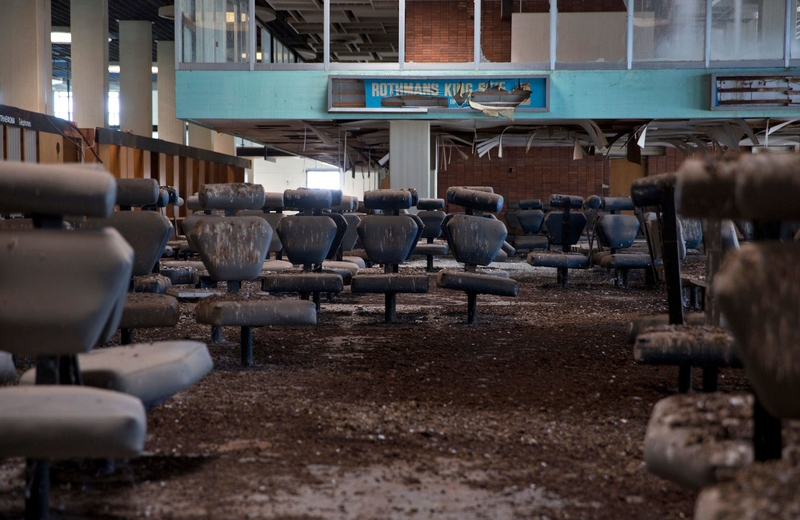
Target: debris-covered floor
<point>537,412</point>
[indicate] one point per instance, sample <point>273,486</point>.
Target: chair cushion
<point>307,239</point>
<point>432,220</point>
<point>56,189</point>
<point>276,266</point>
<point>232,196</point>
<point>475,240</point>
<point>633,261</point>
<point>501,256</point>
<point>137,192</point>
<point>255,312</point>
<point>692,231</point>
<point>8,372</point>
<point>638,324</point>
<point>475,200</point>
<point>571,261</point>
<point>351,235</point>
<point>65,422</point>
<point>530,220</point>
<point>232,248</point>
<point>676,344</point>
<point>531,242</point>
<point>303,283</point>
<point>477,283</point>
<point>152,372</point>
<point>179,275</point>
<point>577,221</point>
<point>358,261</point>
<point>389,283</point>
<point>435,249</point>
<point>388,239</point>
<point>308,199</point>
<point>430,204</point>
<point>144,311</point>
<point>333,265</point>
<point>388,200</point>
<point>152,283</point>
<point>617,231</point>
<point>61,299</point>
<point>147,232</point>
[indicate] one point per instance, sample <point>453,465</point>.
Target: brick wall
<point>441,31</point>
<point>537,174</point>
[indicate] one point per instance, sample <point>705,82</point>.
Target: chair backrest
<point>577,223</point>
<point>530,220</point>
<point>474,240</point>
<point>617,231</point>
<point>310,236</point>
<point>62,291</point>
<point>232,248</point>
<point>389,239</point>
<point>146,231</point>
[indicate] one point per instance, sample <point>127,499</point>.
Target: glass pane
<point>215,31</point>
<point>530,33</point>
<point>591,31</point>
<point>795,35</point>
<point>669,30</point>
<point>364,32</point>
<point>440,31</point>
<point>747,29</point>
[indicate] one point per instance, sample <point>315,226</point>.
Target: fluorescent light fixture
<point>115,69</point>
<point>230,17</point>
<point>60,37</point>
<point>258,55</point>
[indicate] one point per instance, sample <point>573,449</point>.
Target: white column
<point>201,137</point>
<point>89,51</point>
<point>224,143</point>
<point>409,156</point>
<point>135,77</point>
<point>25,55</point>
<point>169,127</point>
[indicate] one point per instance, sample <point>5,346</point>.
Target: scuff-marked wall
<point>441,31</point>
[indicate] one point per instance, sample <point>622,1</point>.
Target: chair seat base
<point>389,283</point>
<point>8,372</point>
<point>276,266</point>
<point>180,275</point>
<point>637,325</point>
<point>144,311</point>
<point>151,283</point>
<point>152,372</point>
<point>303,283</point>
<point>626,261</point>
<point>65,422</point>
<point>255,312</point>
<point>685,344</point>
<point>477,283</point>
<point>357,260</point>
<point>687,443</point>
<point>431,249</point>
<point>558,260</point>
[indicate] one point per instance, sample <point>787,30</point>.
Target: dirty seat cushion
<point>144,310</point>
<point>389,283</point>
<point>626,261</point>
<point>153,372</point>
<point>63,422</point>
<point>675,344</point>
<point>571,261</point>
<point>303,283</point>
<point>531,242</point>
<point>477,283</point>
<point>8,371</point>
<point>255,312</point>
<point>432,249</point>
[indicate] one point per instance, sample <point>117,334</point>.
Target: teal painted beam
<point>574,94</point>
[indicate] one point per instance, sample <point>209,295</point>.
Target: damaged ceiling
<point>360,142</point>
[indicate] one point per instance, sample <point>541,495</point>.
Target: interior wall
<point>290,173</point>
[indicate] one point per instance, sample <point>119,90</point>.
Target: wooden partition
<point>33,137</point>
<point>186,168</point>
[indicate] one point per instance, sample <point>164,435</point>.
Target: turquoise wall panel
<point>574,94</point>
